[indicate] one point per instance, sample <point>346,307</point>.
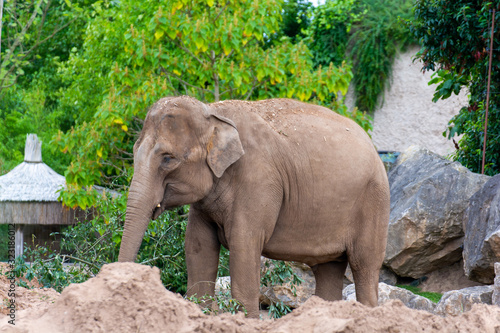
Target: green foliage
<point>21,112</point>
<point>278,273</point>
<point>434,297</point>
<point>163,247</point>
<point>29,26</point>
<point>90,244</point>
<point>223,302</point>
<point>456,36</point>
<point>295,20</point>
<point>369,33</point>
<point>36,37</point>
<point>47,266</point>
<point>373,46</point>
<point>329,30</point>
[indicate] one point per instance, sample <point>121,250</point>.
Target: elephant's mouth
<point>157,212</point>
<point>161,206</point>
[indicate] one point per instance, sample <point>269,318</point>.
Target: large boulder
<point>429,195</point>
<point>387,292</point>
<point>482,232</point>
<point>456,302</point>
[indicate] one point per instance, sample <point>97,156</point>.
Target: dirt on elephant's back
<point>128,297</point>
<point>278,113</point>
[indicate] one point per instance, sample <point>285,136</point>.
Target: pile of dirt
<point>127,297</point>
<point>25,298</point>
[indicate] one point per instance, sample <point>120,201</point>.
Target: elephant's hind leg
<point>330,279</point>
<point>366,253</point>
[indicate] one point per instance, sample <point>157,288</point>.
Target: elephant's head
<point>182,147</point>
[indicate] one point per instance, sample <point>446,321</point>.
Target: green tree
<point>137,52</point>
<point>26,27</point>
<point>368,33</point>
<point>22,111</point>
<point>296,20</point>
<point>37,36</point>
<point>455,37</point>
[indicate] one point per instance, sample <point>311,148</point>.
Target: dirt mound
<point>126,297</point>
<point>26,298</point>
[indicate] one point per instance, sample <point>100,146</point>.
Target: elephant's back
<point>289,118</point>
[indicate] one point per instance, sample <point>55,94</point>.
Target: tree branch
<point>82,261</point>
<point>184,82</point>
<point>183,48</point>
<point>220,13</point>
<point>252,89</point>
<point>23,31</point>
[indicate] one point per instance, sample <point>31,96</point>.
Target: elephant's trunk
<point>139,211</point>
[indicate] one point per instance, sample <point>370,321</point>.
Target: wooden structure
<point>28,197</point>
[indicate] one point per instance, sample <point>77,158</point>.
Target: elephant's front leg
<point>244,268</point>
<point>202,257</point>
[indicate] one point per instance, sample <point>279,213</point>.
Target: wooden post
<point>19,240</point>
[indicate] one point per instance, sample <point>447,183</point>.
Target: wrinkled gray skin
<point>278,178</point>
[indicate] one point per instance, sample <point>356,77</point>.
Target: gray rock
<point>387,292</point>
<point>456,302</point>
<point>482,232</point>
<point>223,285</point>
<point>429,195</point>
<point>496,289</point>
<point>284,292</point>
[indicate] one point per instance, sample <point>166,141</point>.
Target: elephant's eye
<point>167,158</point>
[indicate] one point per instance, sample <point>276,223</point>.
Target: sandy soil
<point>127,297</point>
<point>26,298</point>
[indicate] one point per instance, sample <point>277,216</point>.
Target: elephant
<point>277,178</point>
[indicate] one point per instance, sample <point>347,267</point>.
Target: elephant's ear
<point>224,146</point>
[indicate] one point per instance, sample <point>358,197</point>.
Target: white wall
<point>408,116</point>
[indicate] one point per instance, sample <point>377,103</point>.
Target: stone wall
<point>407,116</point>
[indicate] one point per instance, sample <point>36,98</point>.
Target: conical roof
<point>31,180</point>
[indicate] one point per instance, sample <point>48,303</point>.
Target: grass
<point>433,297</point>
